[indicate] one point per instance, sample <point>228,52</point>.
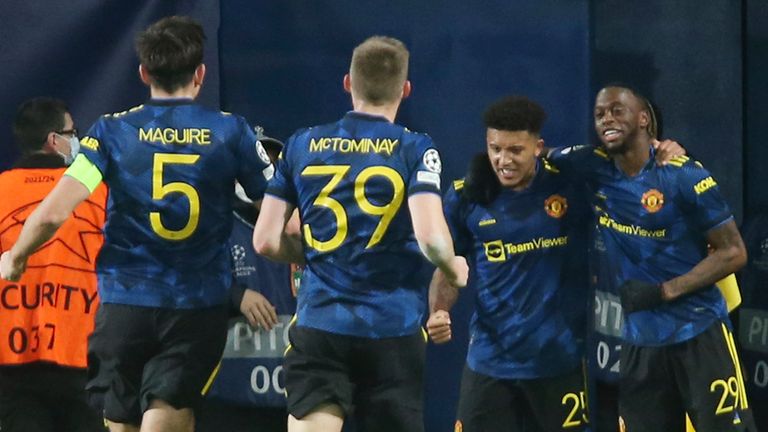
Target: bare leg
<point>162,417</point>
<point>121,427</point>
<point>325,418</point>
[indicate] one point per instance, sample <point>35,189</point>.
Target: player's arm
<point>442,296</point>
<point>276,235</point>
<point>666,150</point>
<point>42,224</point>
<point>434,239</point>
<point>727,256</point>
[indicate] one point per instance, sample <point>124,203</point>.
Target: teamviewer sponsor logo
<point>494,251</point>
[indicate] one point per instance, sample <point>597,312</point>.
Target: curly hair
<point>515,113</point>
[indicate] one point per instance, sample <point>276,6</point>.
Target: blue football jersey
<point>607,319</point>
<point>350,180</point>
<point>654,227</point>
<point>528,254</point>
<point>251,371</point>
<point>171,166</point>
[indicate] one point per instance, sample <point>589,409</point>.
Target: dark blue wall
<point>686,55</point>
<point>756,106</point>
<point>82,52</point>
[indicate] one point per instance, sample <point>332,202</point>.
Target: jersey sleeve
<point>95,148</point>
<point>425,168</point>
<point>701,196</point>
<point>282,185</point>
<point>455,216</point>
<point>575,161</point>
<point>255,168</point>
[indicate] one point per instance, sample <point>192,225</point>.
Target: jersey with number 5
<point>171,167</point>
<point>351,181</point>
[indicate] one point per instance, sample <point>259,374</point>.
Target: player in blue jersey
<point>677,352</point>
<point>368,194</point>
<point>249,387</point>
<point>522,226</point>
<point>164,270</point>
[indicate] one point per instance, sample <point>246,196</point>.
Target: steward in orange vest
<point>47,316</point>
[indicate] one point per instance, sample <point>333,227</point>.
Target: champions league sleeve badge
<point>432,161</point>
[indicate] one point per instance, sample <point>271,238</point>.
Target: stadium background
<point>280,63</point>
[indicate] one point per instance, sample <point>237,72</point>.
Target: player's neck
<point>634,158</point>
<point>190,91</point>
<point>388,111</point>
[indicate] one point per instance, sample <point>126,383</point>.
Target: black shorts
<point>604,406</point>
<point>43,397</point>
<point>138,354</point>
<point>490,404</point>
<point>217,416</point>
<point>701,376</point>
<point>379,382</point>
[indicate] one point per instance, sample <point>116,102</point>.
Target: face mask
<point>74,149</point>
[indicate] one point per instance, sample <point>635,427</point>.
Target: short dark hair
<point>379,69</point>
<point>654,123</point>
<point>35,119</point>
<point>515,113</point>
<point>171,49</point>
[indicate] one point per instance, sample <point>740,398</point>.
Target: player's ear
<point>539,146</point>
<point>407,89</point>
<point>199,75</point>
<point>644,119</point>
<point>347,83</point>
<point>144,75</point>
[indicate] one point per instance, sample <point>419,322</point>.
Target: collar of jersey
<point>366,116</point>
<point>171,101</point>
<point>648,166</point>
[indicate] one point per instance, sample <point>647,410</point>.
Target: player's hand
<point>258,310</point>
<point>637,296</point>
<point>461,272</point>
<point>439,327</point>
<point>667,150</point>
<point>9,269</point>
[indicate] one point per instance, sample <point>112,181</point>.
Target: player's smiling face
<point>618,118</point>
<point>513,156</point>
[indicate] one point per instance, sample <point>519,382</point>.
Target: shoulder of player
<point>548,168</point>
<point>455,193</point>
<point>120,115</point>
<point>683,162</point>
<point>683,167</point>
<point>416,137</point>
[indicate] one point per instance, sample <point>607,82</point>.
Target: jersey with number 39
<point>171,167</point>
<point>350,180</point>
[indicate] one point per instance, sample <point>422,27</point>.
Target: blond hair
<point>379,69</point>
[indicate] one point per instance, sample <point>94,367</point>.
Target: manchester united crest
<point>556,206</point>
<point>652,201</point>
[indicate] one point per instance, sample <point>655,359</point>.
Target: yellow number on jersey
<point>160,190</point>
<point>386,212</point>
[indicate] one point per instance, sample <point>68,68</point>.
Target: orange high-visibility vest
<point>48,314</point>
